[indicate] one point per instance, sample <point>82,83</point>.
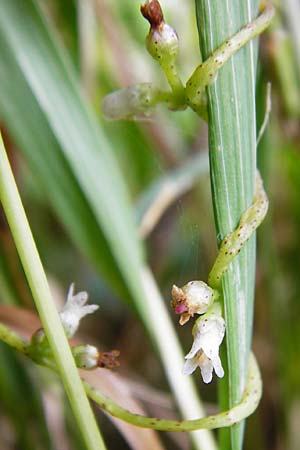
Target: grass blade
<point>83,144</point>
<point>232,139</point>
<point>29,256</point>
<point>48,81</point>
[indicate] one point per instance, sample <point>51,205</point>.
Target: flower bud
<point>38,337</point>
<point>131,102</point>
<point>193,298</point>
<point>162,40</point>
<point>86,356</point>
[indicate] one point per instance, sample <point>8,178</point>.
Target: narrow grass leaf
<point>36,67</point>
<point>232,140</point>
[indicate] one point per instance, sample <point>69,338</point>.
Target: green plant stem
<point>234,242</point>
<point>13,339</point>
<point>232,143</point>
<point>206,72</point>
<point>43,299</point>
<point>247,405</point>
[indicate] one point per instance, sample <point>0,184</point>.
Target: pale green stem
<point>206,72</point>
<point>13,339</point>
<point>175,84</point>
<point>45,305</point>
<point>246,407</point>
<point>234,242</point>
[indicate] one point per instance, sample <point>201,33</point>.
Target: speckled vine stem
<point>245,408</point>
<point>206,72</point>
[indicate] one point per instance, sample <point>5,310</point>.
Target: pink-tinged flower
<point>208,333</point>
<point>74,310</point>
<point>193,298</point>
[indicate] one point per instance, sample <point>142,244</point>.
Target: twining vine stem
<point>248,404</point>
<point>163,46</point>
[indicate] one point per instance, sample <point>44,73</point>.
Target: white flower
<point>208,333</point>
<point>86,356</point>
<point>193,298</point>
<point>74,310</point>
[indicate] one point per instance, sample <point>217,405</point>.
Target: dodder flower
<point>130,103</point>
<point>88,357</point>
<point>208,333</point>
<point>74,310</point>
<point>162,40</point>
<point>194,297</point>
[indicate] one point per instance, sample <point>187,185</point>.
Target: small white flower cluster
<point>196,297</point>
<point>208,333</point>
<point>74,310</point>
<point>86,356</point>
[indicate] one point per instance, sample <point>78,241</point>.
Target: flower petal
<point>85,310</point>
<point>218,367</point>
<point>190,365</point>
<point>206,367</point>
<point>208,333</point>
<point>197,345</point>
<point>74,310</point>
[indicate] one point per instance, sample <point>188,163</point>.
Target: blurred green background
<point>52,147</point>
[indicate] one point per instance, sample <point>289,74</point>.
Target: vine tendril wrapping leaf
<point>245,408</point>
<point>162,43</point>
<point>38,348</point>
